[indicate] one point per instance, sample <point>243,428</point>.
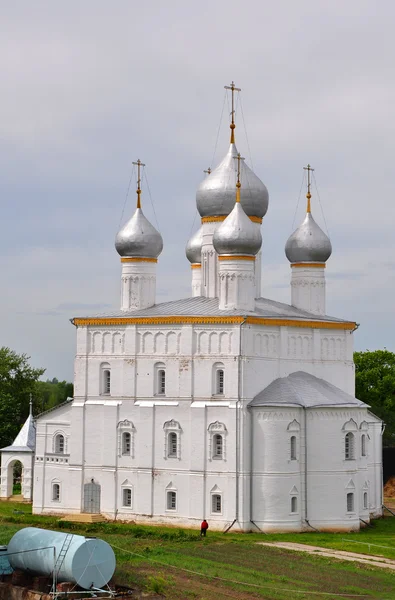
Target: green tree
<point>375,385</point>
<point>50,393</point>
<point>17,381</point>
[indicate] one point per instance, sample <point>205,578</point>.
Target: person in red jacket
<point>203,528</point>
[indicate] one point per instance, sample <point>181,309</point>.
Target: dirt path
<point>375,561</point>
<point>367,559</point>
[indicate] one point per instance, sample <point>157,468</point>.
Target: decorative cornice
<point>214,320</point>
<point>126,259</point>
<point>310,265</point>
<point>235,257</point>
<point>219,218</point>
<point>196,266</point>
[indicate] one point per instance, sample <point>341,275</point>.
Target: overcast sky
<point>88,87</point>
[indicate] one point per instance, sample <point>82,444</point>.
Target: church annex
<point>223,405</point>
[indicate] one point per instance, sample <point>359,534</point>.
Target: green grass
<point>164,561</point>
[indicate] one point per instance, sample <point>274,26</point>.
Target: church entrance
<point>15,478</point>
<point>92,497</point>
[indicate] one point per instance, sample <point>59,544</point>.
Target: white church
<point>223,405</point>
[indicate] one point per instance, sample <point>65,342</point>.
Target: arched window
<point>218,379</point>
<point>125,434</point>
<point>59,444</point>
<point>160,379</point>
<point>365,500</point>
<point>216,503</point>
<point>105,379</point>
<point>218,446</point>
<point>55,492</point>
<point>126,443</point>
<point>349,446</point>
<point>127,497</point>
<point>172,445</point>
<point>171,500</point>
<point>294,504</point>
<point>217,441</point>
<point>293,447</point>
<point>363,445</point>
<point>350,502</point>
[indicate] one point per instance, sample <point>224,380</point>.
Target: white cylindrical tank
<point>88,562</point>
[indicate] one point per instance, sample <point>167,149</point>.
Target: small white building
<point>224,405</point>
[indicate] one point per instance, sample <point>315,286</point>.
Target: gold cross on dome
<point>139,164</point>
<point>239,158</point>
<point>309,170</point>
<point>233,89</point>
<point>208,171</point>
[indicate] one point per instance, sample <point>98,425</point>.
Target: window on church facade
<point>349,446</point>
<point>218,379</point>
<point>59,444</point>
<point>218,446</point>
<point>293,447</point>
<point>126,443</point>
<point>365,500</point>
<point>160,380</point>
<point>294,504</point>
<point>363,445</point>
<point>171,502</point>
<point>105,376</point>
<point>127,497</point>
<point>350,502</point>
<point>216,503</point>
<point>172,445</point>
<point>55,492</point>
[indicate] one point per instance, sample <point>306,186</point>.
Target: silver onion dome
<point>138,238</point>
<point>193,248</point>
<point>308,243</point>
<point>216,194</point>
<point>237,234</point>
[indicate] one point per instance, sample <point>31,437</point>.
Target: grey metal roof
<point>25,441</point>
<point>303,389</point>
<point>201,306</point>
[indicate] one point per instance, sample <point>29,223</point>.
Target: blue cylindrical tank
<point>5,567</point>
<point>88,562</point>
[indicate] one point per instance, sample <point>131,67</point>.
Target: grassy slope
<point>237,557</point>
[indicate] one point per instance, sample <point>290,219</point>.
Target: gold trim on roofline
<point>126,259</point>
<point>219,218</point>
<point>314,265</point>
<point>214,320</point>
<point>235,257</point>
